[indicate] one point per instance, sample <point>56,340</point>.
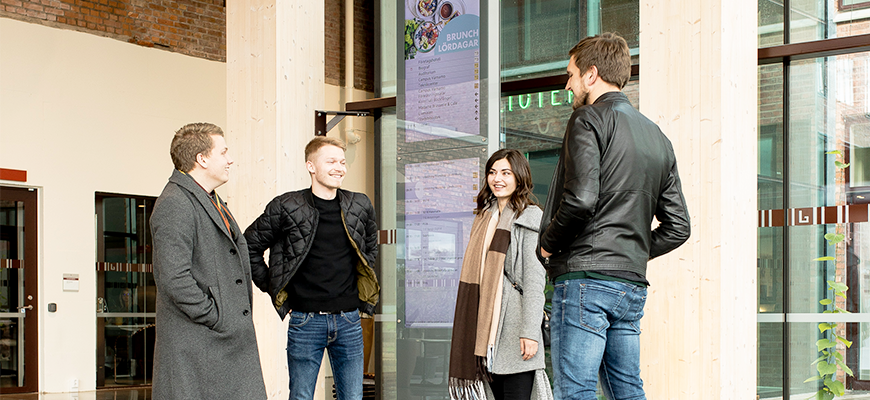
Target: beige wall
<point>82,113</point>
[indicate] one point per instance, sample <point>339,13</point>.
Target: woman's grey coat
<point>521,315</point>
<point>205,346</point>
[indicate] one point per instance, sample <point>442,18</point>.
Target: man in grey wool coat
<point>205,345</point>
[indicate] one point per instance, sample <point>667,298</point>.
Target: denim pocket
<point>298,318</point>
<point>351,316</point>
<point>597,304</point>
<point>636,311</point>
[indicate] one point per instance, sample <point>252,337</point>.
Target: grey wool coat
<point>521,315</point>
<point>205,345</point>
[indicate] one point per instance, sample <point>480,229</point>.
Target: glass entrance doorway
<point>126,291</point>
<point>18,276</point>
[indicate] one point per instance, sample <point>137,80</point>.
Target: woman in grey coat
<point>499,307</point>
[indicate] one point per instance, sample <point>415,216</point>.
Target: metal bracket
<point>321,126</point>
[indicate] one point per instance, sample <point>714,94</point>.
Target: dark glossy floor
<point>108,394</point>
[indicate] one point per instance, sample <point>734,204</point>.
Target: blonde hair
<point>320,141</point>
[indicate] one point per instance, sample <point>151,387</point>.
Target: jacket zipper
<point>356,247</point>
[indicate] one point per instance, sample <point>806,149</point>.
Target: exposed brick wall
<point>334,42</point>
<point>197,28</point>
<point>364,45</point>
<point>193,27</point>
<point>363,42</point>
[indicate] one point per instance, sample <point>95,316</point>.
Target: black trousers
<point>513,386</point>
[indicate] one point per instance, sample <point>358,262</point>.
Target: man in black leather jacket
<point>322,245</point>
<point>617,171</point>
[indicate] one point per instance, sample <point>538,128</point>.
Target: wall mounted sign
<point>442,69</point>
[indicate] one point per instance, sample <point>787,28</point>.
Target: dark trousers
<point>513,386</point>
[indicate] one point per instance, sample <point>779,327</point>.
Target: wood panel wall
<point>275,81</point>
<point>698,81</point>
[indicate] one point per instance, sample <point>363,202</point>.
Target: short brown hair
<point>320,141</point>
<point>190,140</point>
<point>609,53</point>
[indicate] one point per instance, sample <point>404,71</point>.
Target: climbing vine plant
<point>831,361</point>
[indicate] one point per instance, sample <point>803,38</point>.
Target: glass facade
<point>537,34</point>
<point>812,115</point>
<point>810,20</point>
<point>806,109</point>
<point>427,186</point>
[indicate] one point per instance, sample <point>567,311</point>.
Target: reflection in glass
<point>389,261</point>
<point>770,360</point>
<point>770,21</point>
<point>770,239</point>
<point>126,292</point>
<point>827,107</point>
<point>811,20</point>
<point>11,293</point>
<point>124,230</point>
<point>859,152</point>
<point>535,123</point>
<point>129,356</point>
<point>537,34</point>
<point>850,17</point>
<point>808,21</point>
<point>863,334</point>
<point>432,263</point>
<point>434,202</point>
<point>802,353</point>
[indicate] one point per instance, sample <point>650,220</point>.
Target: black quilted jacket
<point>287,228</point>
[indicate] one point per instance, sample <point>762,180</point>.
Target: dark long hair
<point>522,197</point>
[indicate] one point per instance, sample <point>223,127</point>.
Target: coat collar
<point>530,218</point>
<point>186,182</point>
<point>612,97</point>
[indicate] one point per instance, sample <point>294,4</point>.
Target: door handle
<point>22,309</point>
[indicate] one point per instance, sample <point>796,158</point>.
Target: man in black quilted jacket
<point>322,245</point>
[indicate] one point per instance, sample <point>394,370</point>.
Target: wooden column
<point>698,81</point>
<point>275,81</point>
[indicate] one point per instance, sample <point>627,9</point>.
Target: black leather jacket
<point>287,228</point>
<point>617,171</point>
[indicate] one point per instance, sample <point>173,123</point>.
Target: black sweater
<point>326,279</point>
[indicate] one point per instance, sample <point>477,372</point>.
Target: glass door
<point>126,291</point>
<point>18,301</point>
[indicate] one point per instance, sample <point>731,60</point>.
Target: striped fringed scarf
<point>476,307</point>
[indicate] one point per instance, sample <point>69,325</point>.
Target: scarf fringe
<point>465,389</point>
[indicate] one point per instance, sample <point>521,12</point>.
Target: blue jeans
<point>341,336</point>
<point>596,334</point>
